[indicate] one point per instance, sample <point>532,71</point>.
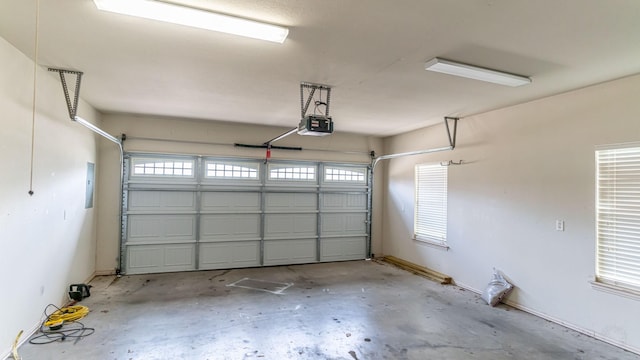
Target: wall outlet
<point>559,225</point>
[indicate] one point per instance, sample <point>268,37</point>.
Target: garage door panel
<point>290,225</point>
<point>282,252</point>
<point>344,224</point>
<point>143,259</point>
<point>230,201</point>
<point>161,228</point>
<point>291,202</point>
<point>162,201</point>
<point>343,248</point>
<point>337,201</point>
<point>225,255</point>
<point>179,256</point>
<point>229,227</point>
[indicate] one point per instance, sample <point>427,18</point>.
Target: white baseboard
<point>571,326</point>
<point>466,287</point>
<point>26,335</point>
<point>577,328</point>
<point>103,273</point>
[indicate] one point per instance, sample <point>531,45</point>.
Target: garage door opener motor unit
<point>315,124</point>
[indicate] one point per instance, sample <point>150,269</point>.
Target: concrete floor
<point>348,310</point>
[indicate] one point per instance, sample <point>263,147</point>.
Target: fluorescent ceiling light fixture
<point>475,72</point>
<point>176,14</point>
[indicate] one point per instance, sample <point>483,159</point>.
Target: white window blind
<point>431,203</point>
<point>618,216</point>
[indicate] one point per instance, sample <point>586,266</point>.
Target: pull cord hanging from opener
<point>33,108</point>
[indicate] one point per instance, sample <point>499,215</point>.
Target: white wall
<point>190,131</point>
<point>524,167</point>
<point>47,240</point>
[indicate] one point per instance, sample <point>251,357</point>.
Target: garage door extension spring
<point>62,324</point>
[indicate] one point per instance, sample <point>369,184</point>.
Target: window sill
<point>433,243</point>
<point>615,290</point>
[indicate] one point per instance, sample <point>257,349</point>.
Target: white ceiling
<point>371,52</point>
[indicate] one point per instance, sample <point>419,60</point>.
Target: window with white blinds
<point>618,216</point>
<point>431,203</point>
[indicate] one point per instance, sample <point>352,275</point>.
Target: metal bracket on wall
<point>452,139</point>
<point>73,108</point>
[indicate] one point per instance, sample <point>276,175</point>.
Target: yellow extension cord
<point>69,313</point>
<point>14,348</point>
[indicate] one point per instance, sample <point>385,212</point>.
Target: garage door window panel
<point>229,170</point>
<point>163,168</point>
<point>303,173</point>
<point>345,175</point>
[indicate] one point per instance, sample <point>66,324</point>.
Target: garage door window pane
<point>162,167</point>
<point>345,175</point>
<point>295,173</point>
<point>231,170</point>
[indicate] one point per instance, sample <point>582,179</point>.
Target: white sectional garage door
<point>200,213</point>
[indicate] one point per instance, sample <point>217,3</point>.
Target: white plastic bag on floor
<point>497,288</point>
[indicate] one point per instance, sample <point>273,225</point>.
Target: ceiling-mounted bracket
<point>452,137</point>
<point>73,108</point>
<point>311,90</point>
<point>325,100</point>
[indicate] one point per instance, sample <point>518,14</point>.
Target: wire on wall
<point>33,108</point>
